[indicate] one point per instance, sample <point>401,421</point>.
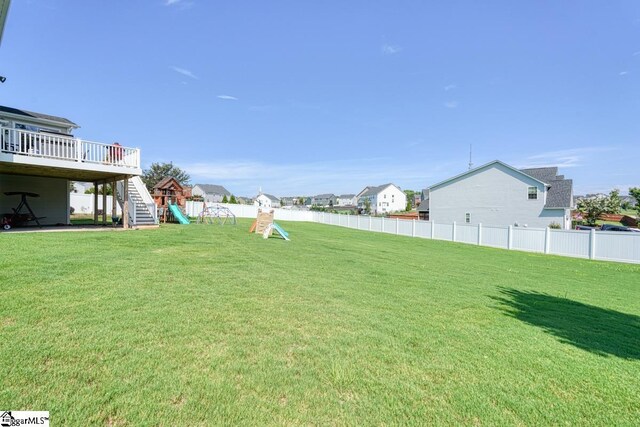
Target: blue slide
<point>177,213</point>
<point>281,231</point>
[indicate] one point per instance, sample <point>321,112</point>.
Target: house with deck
<point>499,194</point>
<point>40,156</point>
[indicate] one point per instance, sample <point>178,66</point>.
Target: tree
<point>159,171</point>
<point>593,207</point>
<point>367,206</point>
<point>107,187</point>
<point>409,206</point>
<point>233,200</point>
<point>411,196</point>
<point>224,199</point>
<point>301,200</point>
<point>635,193</point>
<point>614,202</point>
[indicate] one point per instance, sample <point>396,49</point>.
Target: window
<point>467,217</point>
<point>533,193</point>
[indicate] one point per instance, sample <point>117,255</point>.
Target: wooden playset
<point>265,225</point>
<point>169,192</point>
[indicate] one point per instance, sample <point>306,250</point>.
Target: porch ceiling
<point>56,172</point>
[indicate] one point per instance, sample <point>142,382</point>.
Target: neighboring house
<point>347,200</point>
<point>210,193</point>
<point>383,199</point>
<point>39,154</point>
<point>288,201</point>
<point>423,207</point>
<point>266,201</point>
<point>499,194</point>
<point>324,200</point>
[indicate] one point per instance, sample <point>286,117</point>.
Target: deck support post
<point>125,204</point>
<point>104,203</point>
<point>95,203</point>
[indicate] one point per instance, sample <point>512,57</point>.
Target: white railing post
<point>479,233</point>
<point>413,228</point>
<point>510,237</point>
<point>79,150</point>
<point>547,240</point>
<point>592,244</point>
<point>453,232</point>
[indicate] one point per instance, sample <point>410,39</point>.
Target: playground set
<point>265,225</point>
<point>170,196</point>
<point>216,214</point>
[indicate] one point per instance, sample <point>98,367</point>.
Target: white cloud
<point>388,49</point>
<point>184,72</point>
<point>569,158</point>
<point>451,104</point>
<point>636,53</point>
<point>180,4</point>
<point>450,87</point>
<point>228,97</point>
<point>623,73</point>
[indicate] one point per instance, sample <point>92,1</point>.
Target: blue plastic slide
<point>281,231</point>
<point>177,213</point>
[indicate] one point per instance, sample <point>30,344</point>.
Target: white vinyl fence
<point>600,245</point>
<point>83,203</point>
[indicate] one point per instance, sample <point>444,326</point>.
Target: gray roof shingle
<point>560,193</point>
<point>33,115</point>
<point>212,189</point>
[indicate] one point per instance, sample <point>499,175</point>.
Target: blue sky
<point>307,97</point>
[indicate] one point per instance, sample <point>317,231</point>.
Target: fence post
<point>358,222</point>
<point>547,240</point>
<point>433,229</point>
<point>453,232</point>
<point>369,222</point>
<point>510,237</point>
<point>592,244</point>
<point>397,226</point>
<point>413,228</point>
<point>479,233</point>
<point>382,226</point>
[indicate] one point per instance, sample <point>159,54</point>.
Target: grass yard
<point>209,325</point>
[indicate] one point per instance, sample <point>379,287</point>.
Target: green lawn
<point>206,325</point>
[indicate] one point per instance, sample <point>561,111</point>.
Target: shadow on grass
<point>597,330</point>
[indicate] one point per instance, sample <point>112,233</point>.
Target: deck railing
<point>62,147</point>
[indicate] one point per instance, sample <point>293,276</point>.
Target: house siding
<point>494,195</point>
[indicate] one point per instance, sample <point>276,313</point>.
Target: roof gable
<point>480,169</point>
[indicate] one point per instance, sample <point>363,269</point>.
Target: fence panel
<point>443,231</point>
<point>569,242</point>
<point>528,239</point>
<point>405,227</point>
<point>497,237</point>
<point>617,246</point>
<point>376,224</point>
<point>389,226</point>
<point>467,233</point>
<point>423,229</point>
<point>344,220</point>
<point>363,223</point>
